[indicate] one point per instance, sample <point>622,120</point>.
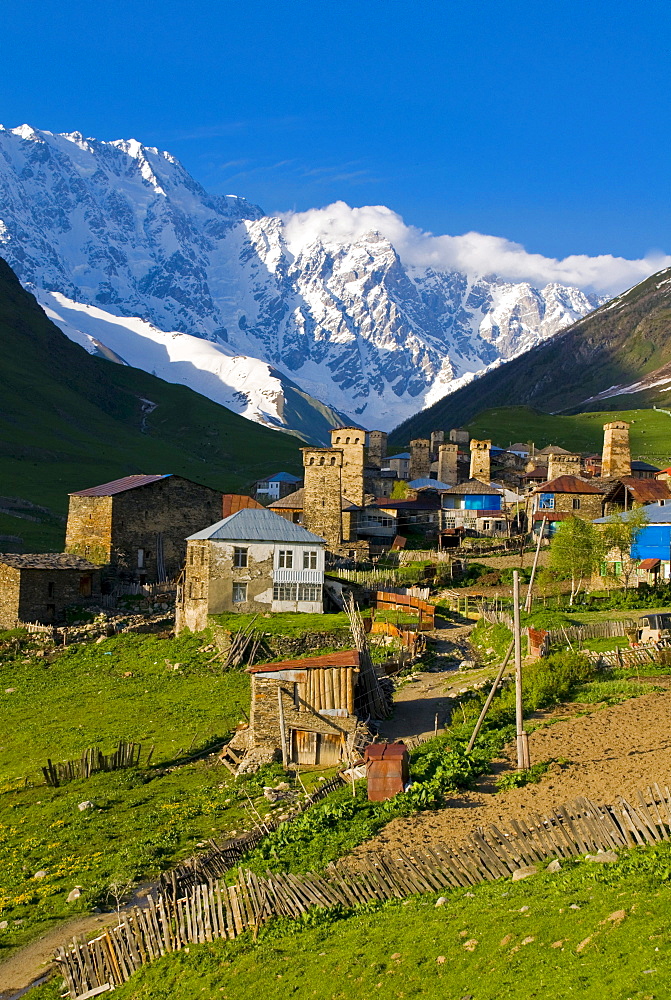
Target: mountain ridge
<point>124,228</point>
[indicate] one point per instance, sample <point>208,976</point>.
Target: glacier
<point>133,259</point>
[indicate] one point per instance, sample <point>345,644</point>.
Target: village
<point>329,630</point>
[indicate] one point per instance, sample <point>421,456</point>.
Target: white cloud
<point>474,253</point>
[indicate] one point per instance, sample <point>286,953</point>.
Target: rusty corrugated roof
<point>119,485</point>
<point>348,658</point>
<point>647,490</point>
<point>233,502</point>
<point>567,484</point>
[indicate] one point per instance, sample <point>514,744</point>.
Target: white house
<point>252,561</point>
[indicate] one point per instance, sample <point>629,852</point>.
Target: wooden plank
<point>494,863</point>
<point>651,821</point>
<point>235,908</point>
<point>637,821</point>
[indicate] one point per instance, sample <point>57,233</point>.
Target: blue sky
<point>543,122</point>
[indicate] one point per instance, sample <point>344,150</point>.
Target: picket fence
<point>213,910</point>
<point>577,634</point>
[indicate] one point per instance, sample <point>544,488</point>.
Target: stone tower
<point>322,512</point>
<point>562,465</point>
<point>480,466</point>
<point>351,441</point>
<point>616,459</point>
<point>447,463</point>
<point>377,448</point>
<point>437,438</point>
<point>420,459</point>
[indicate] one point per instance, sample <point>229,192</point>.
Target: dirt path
<point>610,752</point>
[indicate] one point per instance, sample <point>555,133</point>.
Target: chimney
<point>447,463</point>
<point>480,466</point>
<point>616,460</point>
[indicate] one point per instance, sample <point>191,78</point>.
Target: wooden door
<point>329,748</point>
<point>304,746</point>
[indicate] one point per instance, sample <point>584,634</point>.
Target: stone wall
<point>420,458</point>
<point>447,463</point>
<point>9,596</point>
<point>591,505</point>
<point>89,529</point>
<point>322,512</point>
<point>437,438</point>
<point>480,460</point>
<point>351,441</point>
<point>264,723</point>
<point>563,465</point>
<point>616,459</point>
<point>377,448</point>
<point>192,606</point>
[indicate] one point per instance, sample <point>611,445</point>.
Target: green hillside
<point>69,420</point>
<point>650,432</point>
<point>616,345</point>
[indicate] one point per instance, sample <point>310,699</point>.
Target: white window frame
<point>239,593</point>
<point>309,558</point>
<point>240,557</point>
<point>285,559</point>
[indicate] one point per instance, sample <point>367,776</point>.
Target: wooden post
<point>490,698</point>
<point>283,738</point>
<point>527,603</point>
<point>522,740</point>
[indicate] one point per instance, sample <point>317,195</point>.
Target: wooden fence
<point>426,613</point>
<point>577,634</point>
<point>637,656</point>
<point>92,761</point>
<point>212,910</point>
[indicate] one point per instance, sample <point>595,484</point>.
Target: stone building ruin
<point>616,459</point>
<point>480,460</point>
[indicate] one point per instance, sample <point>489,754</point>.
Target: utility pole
<point>527,603</point>
<point>523,761</point>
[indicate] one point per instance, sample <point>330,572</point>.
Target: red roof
<point>348,658</point>
<point>649,564</point>
<point>567,484</point>
<point>119,486</point>
<point>647,490</point>
<point>233,502</point>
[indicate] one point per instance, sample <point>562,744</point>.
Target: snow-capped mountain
<point>125,231</point>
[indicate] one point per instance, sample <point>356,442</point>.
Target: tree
<point>399,490</point>
<point>576,552</point>
<point>620,534</point>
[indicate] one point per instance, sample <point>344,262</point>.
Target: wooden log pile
<point>374,695</point>
<point>213,910</point>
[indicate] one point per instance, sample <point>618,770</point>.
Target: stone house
<point>291,507</point>
<point>138,525</point>
<point>563,498</point>
<point>304,709</point>
<point>628,491</point>
<point>474,506</point>
<point>399,464</point>
<point>251,561</point>
<point>39,588</point>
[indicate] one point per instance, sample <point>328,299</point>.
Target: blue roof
<point>656,513</point>
<point>282,477</point>
<point>431,484</point>
<point>403,454</point>
<point>254,525</point>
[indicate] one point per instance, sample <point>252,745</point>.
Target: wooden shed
<point>304,708</point>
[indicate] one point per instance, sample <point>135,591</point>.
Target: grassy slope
<point>650,432</point>
<point>611,346</point>
<point>69,420</point>
<point>504,940</point>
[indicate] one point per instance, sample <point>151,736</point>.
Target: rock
<point>528,940</point>
<point>10,690</point>
<point>557,944</point>
<point>440,960</point>
<point>603,857</point>
<point>441,901</point>
<point>554,866</point>
<point>525,872</point>
<point>616,918</point>
<point>396,955</point>
<point>87,804</point>
<point>505,940</point>
<point>584,943</point>
<point>471,944</point>
<point>574,906</point>
<point>467,665</point>
<point>75,894</point>
<point>524,909</point>
<point>40,874</point>
<point>4,924</point>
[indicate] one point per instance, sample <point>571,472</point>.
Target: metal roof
<point>295,501</point>
<point>474,487</point>
<point>401,454</point>
<point>257,526</point>
<point>280,477</point>
<point>119,486</point>
<point>645,467</point>
<point>428,484</point>
<point>656,513</point>
<point>568,484</point>
<point>347,658</point>
<point>238,501</point>
<point>553,449</point>
<point>47,560</point>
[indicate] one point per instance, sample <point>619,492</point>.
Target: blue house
<point>653,543</point>
<point>274,487</point>
<point>474,505</point>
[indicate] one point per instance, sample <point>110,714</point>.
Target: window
<point>546,501</point>
<point>309,559</point>
<point>285,591</point>
<point>239,557</point>
<point>309,592</point>
<point>50,589</point>
<point>85,586</point>
<point>286,559</point>
<point>239,593</point>
<point>486,525</point>
<point>140,558</point>
<point>576,503</point>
